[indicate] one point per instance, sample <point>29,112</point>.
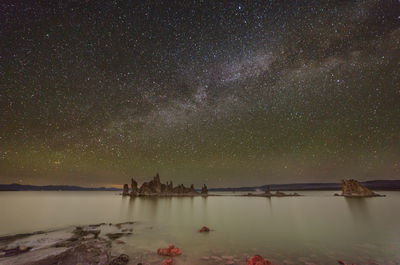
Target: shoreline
<point>89,244</point>
<point>100,244</point>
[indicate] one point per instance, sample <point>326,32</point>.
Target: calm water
<point>316,228</point>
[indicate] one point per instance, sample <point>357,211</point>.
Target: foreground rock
<point>83,245</point>
<point>353,188</point>
<point>344,263</point>
<point>121,260</point>
<point>156,188</point>
<point>258,260</point>
<point>171,251</point>
<point>8,252</point>
<point>168,262</point>
<point>204,229</point>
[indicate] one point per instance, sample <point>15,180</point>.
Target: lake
<point>316,228</point>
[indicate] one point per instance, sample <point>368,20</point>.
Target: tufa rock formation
<point>134,188</point>
<point>353,188</point>
<point>204,190</point>
<point>156,188</point>
<point>268,191</point>
<point>125,191</point>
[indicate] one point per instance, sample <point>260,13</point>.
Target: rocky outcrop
<point>156,184</point>
<point>125,191</point>
<point>353,188</point>
<point>181,189</point>
<point>134,188</point>
<point>84,245</point>
<point>169,187</point>
<point>152,187</point>
<point>204,190</point>
<point>156,188</point>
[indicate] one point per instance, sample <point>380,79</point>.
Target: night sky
<point>227,93</point>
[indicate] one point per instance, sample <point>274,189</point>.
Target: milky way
<point>224,92</point>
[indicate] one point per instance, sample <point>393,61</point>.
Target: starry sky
<point>227,93</point>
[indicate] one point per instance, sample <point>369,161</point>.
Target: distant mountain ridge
<point>372,184</point>
<point>19,187</point>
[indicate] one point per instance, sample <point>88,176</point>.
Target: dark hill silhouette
<point>19,187</point>
<point>373,184</point>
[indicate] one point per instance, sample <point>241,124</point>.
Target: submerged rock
<point>85,231</point>
<point>8,252</point>
<point>353,188</point>
<point>171,251</point>
<point>167,262</point>
<point>84,251</point>
<point>204,229</point>
<point>258,260</point>
<point>114,236</point>
<point>344,263</point>
<point>119,225</point>
<point>121,260</point>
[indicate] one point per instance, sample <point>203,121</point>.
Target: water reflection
<point>269,203</point>
<point>296,227</point>
<point>358,208</point>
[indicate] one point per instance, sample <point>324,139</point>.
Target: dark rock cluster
<point>154,187</point>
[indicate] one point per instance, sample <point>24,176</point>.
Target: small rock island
<point>353,188</point>
<point>155,188</point>
<point>269,194</point>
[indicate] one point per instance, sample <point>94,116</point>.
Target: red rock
<point>258,260</point>
<point>204,229</point>
<point>171,251</point>
<point>167,262</point>
<point>344,263</point>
